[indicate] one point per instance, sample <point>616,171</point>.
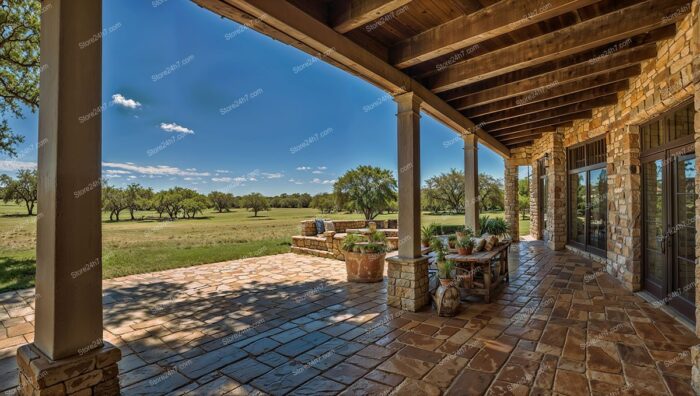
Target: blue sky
<point>195,100</point>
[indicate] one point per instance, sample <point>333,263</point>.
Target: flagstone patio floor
<point>291,324</point>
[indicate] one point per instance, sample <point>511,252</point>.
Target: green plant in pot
<point>452,241</point>
<point>445,272</point>
<point>364,257</point>
<point>427,234</point>
<point>497,227</point>
<point>465,245</point>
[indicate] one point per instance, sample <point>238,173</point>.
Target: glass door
<point>683,235</point>
<point>654,223</point>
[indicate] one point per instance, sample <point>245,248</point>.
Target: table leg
<point>487,283</point>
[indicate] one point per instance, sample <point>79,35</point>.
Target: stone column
<point>534,201</point>
<point>471,182</point>
<point>555,233</point>
<point>511,199</point>
<point>408,272</point>
<point>68,354</point>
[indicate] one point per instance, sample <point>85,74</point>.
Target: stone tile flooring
<point>291,324</point>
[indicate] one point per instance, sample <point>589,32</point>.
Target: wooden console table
<point>482,262</point>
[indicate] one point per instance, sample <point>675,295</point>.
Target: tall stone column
<point>68,354</point>
<point>408,272</point>
<point>555,233</point>
<point>471,182</point>
<point>511,199</point>
<point>535,225</point>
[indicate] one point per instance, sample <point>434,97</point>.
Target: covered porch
<point>561,326</point>
<point>579,90</point>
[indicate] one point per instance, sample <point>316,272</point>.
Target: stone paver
<point>290,324</point>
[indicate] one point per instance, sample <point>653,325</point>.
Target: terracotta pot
<point>365,267</point>
<point>425,244</point>
<point>459,234</point>
<point>445,282</point>
<point>462,251</point>
<point>451,244</point>
<point>469,250</point>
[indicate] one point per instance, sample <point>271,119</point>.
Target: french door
<point>669,227</point>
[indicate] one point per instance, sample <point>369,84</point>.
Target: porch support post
<point>471,182</point>
<point>511,199</point>
<point>68,353</point>
<point>408,272</point>
<point>555,233</point>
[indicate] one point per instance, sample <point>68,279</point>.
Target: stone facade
<point>407,287</point>
<point>551,147</point>
<point>91,373</point>
<point>328,244</point>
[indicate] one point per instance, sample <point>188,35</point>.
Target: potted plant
<point>427,234</point>
<point>452,241</point>
<point>465,245</point>
<point>364,257</point>
<point>445,268</point>
<point>497,227</point>
<point>446,297</point>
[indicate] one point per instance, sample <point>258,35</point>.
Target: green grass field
<point>131,247</point>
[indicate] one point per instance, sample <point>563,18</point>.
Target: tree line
<point>368,190</point>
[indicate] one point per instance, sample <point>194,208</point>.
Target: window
<point>668,129</point>
<point>588,191</point>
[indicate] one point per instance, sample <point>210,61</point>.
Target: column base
<point>94,372</point>
<point>695,373</point>
<point>408,283</point>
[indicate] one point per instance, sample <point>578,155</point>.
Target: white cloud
<point>322,168</point>
<point>319,181</point>
<point>303,168</point>
<point>173,127</point>
<point>317,172</point>
<point>132,177</point>
<point>115,172</point>
<point>222,171</point>
<point>276,175</point>
<point>120,100</point>
<point>12,165</point>
<point>222,179</point>
<point>163,170</point>
<point>296,181</point>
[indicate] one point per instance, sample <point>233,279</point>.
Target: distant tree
<point>192,206</point>
<point>255,203</point>
<point>223,202</point>
<point>137,198</point>
<point>366,189</point>
<point>114,201</point>
<point>524,206</point>
<point>172,200</point>
<point>490,192</point>
<point>324,202</point>
<point>157,203</point>
<point>20,190</point>
<point>446,190</point>
<point>19,64</point>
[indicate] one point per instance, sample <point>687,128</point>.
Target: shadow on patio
<point>290,323</point>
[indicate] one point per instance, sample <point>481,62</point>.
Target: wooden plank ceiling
<point>516,69</point>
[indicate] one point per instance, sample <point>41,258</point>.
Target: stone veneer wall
<point>511,199</point>
<point>551,144</point>
<point>665,82</point>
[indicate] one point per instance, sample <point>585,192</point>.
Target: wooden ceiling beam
<point>540,124</point>
<point>559,90</point>
<point>594,67</point>
<point>537,131</point>
<point>347,15</point>
<point>468,30</point>
<point>488,116</point>
<point>550,113</point>
<point>617,25</point>
<point>663,33</point>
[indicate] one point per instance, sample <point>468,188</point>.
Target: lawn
<point>131,247</point>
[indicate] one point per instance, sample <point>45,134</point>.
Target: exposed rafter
<point>576,72</point>
<point>583,36</point>
<point>467,30</point>
<point>485,115</point>
<point>494,127</point>
<point>347,15</point>
<point>540,124</point>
